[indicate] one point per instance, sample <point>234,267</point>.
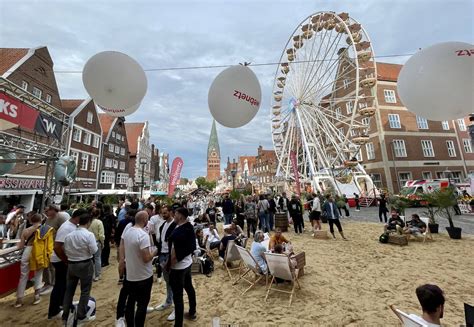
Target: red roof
<point>69,105</point>
<point>106,122</point>
<point>388,72</point>
<point>9,57</point>
<point>134,130</point>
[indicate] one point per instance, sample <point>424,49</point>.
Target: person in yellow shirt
<point>97,228</point>
<point>277,238</point>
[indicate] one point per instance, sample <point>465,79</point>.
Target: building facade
<point>403,146</point>
<point>114,165</point>
<point>213,155</point>
<point>264,170</point>
<point>32,126</point>
<point>138,138</point>
<point>85,143</point>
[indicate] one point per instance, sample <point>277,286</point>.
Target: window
<point>123,138</point>
<point>394,121</point>
<point>338,113</point>
<point>37,92</point>
<point>84,161</point>
<point>76,134</point>
<point>115,164</point>
<point>427,147</point>
<point>366,122</point>
<point>24,85</point>
<point>349,107</point>
<point>118,136</point>
<point>122,165</point>
<point>461,124</point>
<point>369,148</point>
<point>107,177</point>
<point>403,178</point>
<point>451,148</point>
<point>377,180</point>
<point>440,174</point>
<point>353,132</point>
<point>399,148</point>
<point>96,141</point>
<point>456,176</point>
<point>87,138</point>
<point>122,178</point>
<point>113,134</point>
<point>90,117</point>
<point>346,83</point>
<point>117,149</point>
<point>389,96</point>
<point>421,122</point>
<point>111,148</point>
<point>76,156</point>
<point>426,175</point>
<point>445,125</point>
<point>108,163</point>
<point>122,151</point>
<point>467,144</point>
<point>359,155</point>
<point>48,98</point>
<point>94,163</point>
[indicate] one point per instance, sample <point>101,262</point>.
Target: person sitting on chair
<point>228,236</point>
<point>280,250</point>
<point>258,249</point>
<point>200,244</point>
<point>395,223</point>
<point>277,239</point>
<point>415,226</point>
<point>431,299</point>
<point>213,237</point>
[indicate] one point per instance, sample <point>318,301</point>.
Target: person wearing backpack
<point>263,215</point>
<point>37,249</point>
<point>251,215</point>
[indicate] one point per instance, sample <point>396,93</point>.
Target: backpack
<point>42,248</point>
<point>383,238</point>
<point>207,265</point>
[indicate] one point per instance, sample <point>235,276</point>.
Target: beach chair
<point>251,266</point>
<point>279,266</point>
<point>407,320</point>
<point>231,255</point>
<point>211,253</point>
<point>427,233</point>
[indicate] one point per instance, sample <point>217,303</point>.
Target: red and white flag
<point>175,174</point>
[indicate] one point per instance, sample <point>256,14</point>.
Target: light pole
<point>143,162</point>
<point>233,172</point>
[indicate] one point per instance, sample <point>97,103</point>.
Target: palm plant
<point>429,201</point>
<point>445,199</point>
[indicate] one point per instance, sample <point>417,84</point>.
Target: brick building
<point>85,143</point>
<point>114,165</point>
<point>138,138</point>
<point>264,170</point>
<point>213,156</point>
<point>38,130</point>
<point>403,146</point>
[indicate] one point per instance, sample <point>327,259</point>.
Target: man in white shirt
<point>431,298</point>
<point>315,215</point>
<point>183,245</point>
<point>212,237</point>
<point>59,260</point>
<point>79,247</point>
<point>137,259</point>
<point>13,221</point>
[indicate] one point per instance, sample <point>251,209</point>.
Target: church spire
<point>213,145</point>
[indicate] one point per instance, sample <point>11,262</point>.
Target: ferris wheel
<point>324,96</point>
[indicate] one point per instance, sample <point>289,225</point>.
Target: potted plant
<point>445,200</point>
<point>428,200</point>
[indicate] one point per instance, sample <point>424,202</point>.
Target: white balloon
<point>234,96</point>
<point>114,80</point>
<point>437,83</point>
<point>119,112</point>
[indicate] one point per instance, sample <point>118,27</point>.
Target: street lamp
<point>233,172</point>
<point>143,162</point>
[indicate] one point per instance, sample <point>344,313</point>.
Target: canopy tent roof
<point>106,192</point>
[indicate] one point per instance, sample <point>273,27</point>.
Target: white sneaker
<point>120,322</point>
<point>85,320</point>
<point>56,317</point>
<point>150,309</point>
<point>171,316</point>
<point>312,235</point>
<point>162,307</point>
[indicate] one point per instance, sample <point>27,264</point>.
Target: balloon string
<point>223,66</point>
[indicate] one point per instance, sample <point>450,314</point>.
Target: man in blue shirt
<point>332,214</point>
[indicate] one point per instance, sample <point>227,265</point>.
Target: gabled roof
<point>213,141</point>
<point>69,105</point>
<point>388,72</point>
<point>107,122</point>
<point>9,57</point>
<point>134,131</point>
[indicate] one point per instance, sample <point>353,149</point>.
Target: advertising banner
<point>175,174</point>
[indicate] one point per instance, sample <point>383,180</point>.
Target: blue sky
<point>161,34</point>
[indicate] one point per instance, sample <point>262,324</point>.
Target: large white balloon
<point>234,96</point>
<point>119,112</point>
<point>437,83</point>
<point>114,80</point>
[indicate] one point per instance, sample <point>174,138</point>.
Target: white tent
<point>107,192</point>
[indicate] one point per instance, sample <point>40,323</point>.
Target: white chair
<point>407,320</point>
<point>427,233</point>
<point>252,266</point>
<point>279,266</point>
<point>231,255</point>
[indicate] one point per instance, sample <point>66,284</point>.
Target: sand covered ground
<point>345,284</point>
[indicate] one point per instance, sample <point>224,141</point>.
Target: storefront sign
<point>21,184</point>
<point>18,113</point>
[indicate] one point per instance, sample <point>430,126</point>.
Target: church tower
<point>213,155</point>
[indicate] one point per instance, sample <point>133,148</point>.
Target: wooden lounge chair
<point>251,266</point>
<point>232,255</point>
<point>407,320</point>
<point>279,266</point>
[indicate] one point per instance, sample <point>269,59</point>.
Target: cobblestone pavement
<point>371,214</point>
